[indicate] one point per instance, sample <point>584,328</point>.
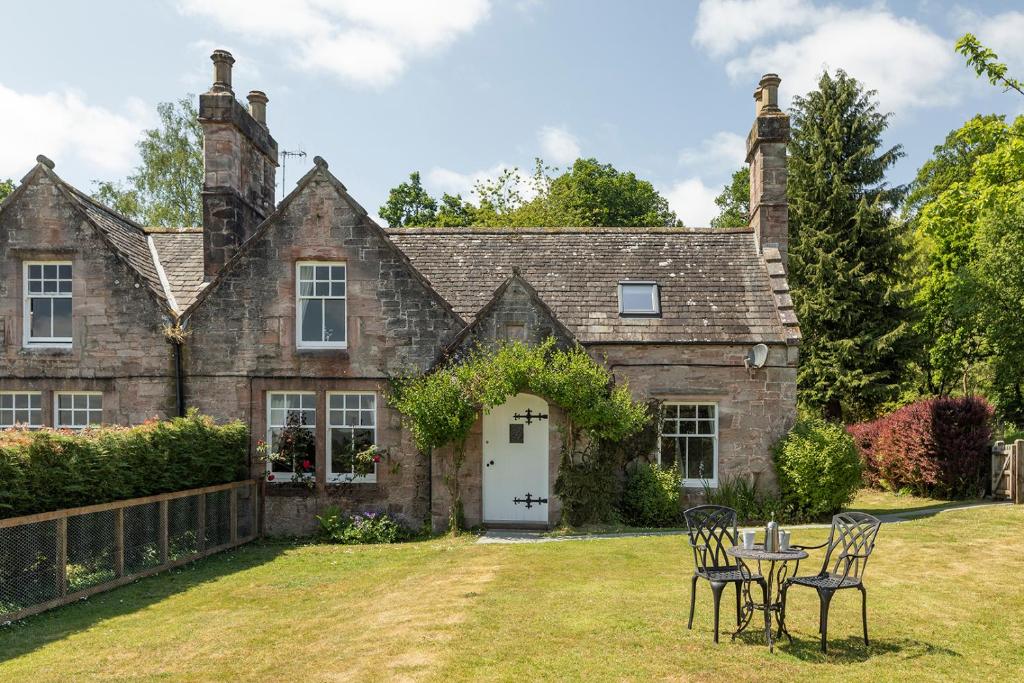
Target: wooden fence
<point>55,558</point>
<point>1008,471</point>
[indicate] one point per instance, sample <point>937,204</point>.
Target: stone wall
<point>755,407</point>
<point>118,346</point>
<point>242,344</point>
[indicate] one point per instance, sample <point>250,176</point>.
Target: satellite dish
<point>757,356</point>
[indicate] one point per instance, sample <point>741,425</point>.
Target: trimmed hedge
<point>51,470</point>
<point>936,447</point>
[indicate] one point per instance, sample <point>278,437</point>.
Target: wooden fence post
<point>164,532</point>
<point>233,514</point>
<point>1017,472</point>
<point>61,560</point>
<point>119,542</point>
<point>200,523</point>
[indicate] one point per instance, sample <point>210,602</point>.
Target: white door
<point>515,477</point>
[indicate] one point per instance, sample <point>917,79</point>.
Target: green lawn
<point>944,604</point>
<point>884,503</point>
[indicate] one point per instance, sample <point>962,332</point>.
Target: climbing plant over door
<point>440,407</point>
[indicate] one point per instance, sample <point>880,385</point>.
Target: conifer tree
<point>846,253</point>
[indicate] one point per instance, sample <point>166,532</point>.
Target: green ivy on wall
<point>440,407</point>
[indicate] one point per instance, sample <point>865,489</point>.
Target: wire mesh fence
<point>54,558</point>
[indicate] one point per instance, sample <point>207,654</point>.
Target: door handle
<point>490,463</point>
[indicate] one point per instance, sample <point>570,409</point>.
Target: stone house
<point>306,307</point>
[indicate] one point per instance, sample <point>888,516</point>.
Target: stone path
<point>503,536</point>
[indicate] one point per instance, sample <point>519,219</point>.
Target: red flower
<point>376,458</point>
<point>261,443</point>
<point>307,465</point>
<point>270,477</point>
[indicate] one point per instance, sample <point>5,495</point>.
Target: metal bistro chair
<point>712,529</point>
<point>849,546</point>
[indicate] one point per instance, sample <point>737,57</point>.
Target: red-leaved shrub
<point>937,446</point>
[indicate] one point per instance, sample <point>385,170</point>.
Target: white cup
<point>748,539</point>
<point>784,540</point>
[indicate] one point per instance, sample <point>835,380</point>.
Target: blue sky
<point>459,89</point>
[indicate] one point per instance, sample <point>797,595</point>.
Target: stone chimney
<point>240,162</point>
<point>766,154</point>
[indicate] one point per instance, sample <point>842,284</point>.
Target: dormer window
<point>320,309</point>
<point>639,298</point>
<point>48,304</point>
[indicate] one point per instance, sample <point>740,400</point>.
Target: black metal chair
<point>849,546</point>
<point>712,530</point>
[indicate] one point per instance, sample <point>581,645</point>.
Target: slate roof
<point>714,286</point>
<point>180,252</point>
<point>127,238</point>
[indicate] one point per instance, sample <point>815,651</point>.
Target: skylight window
<point>639,298</point>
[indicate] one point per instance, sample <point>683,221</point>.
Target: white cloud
<point>65,127</point>
<point>367,43</point>
<point>908,63</point>
<point>440,180</point>
<point>723,26</point>
<point>558,145</point>
<point>693,202</point>
<point>721,153</point>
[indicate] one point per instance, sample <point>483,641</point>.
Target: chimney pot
<point>258,106</point>
<point>222,61</point>
<point>767,94</point>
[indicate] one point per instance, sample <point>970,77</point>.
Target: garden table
<point>778,570</point>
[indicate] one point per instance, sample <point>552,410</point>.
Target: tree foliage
<point>965,208</point>
<point>6,187</point>
<point>846,254</point>
<point>166,188</point>
<point>734,202</point>
<point>587,194</point>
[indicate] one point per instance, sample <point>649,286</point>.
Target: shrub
<point>361,528</point>
<point>818,466</point>
<point>50,470</point>
<point>740,494</point>
<point>937,447</point>
<point>651,496</point>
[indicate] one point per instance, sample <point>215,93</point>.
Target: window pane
<point>276,401</point>
<point>41,317</point>
<point>334,323</point>
<point>64,401</point>
<point>306,272</point>
<point>306,289</point>
<point>351,401</point>
<point>337,401</point>
<point>322,289</point>
<point>6,401</point>
<point>706,427</point>
<point>337,289</point>
<point>688,411</point>
<point>341,450</point>
<point>638,298</point>
<point>35,272</point>
<point>312,321</point>
<point>367,401</point>
<point>700,458</point>
<point>96,402</point>
<point>49,286</point>
<point>62,317</point>
<point>64,418</point>
<point>670,451</point>
<point>706,411</point>
<point>64,272</point>
<point>79,401</point>
<point>337,272</point>
<point>49,271</point>
<point>323,273</point>
<point>687,427</point>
